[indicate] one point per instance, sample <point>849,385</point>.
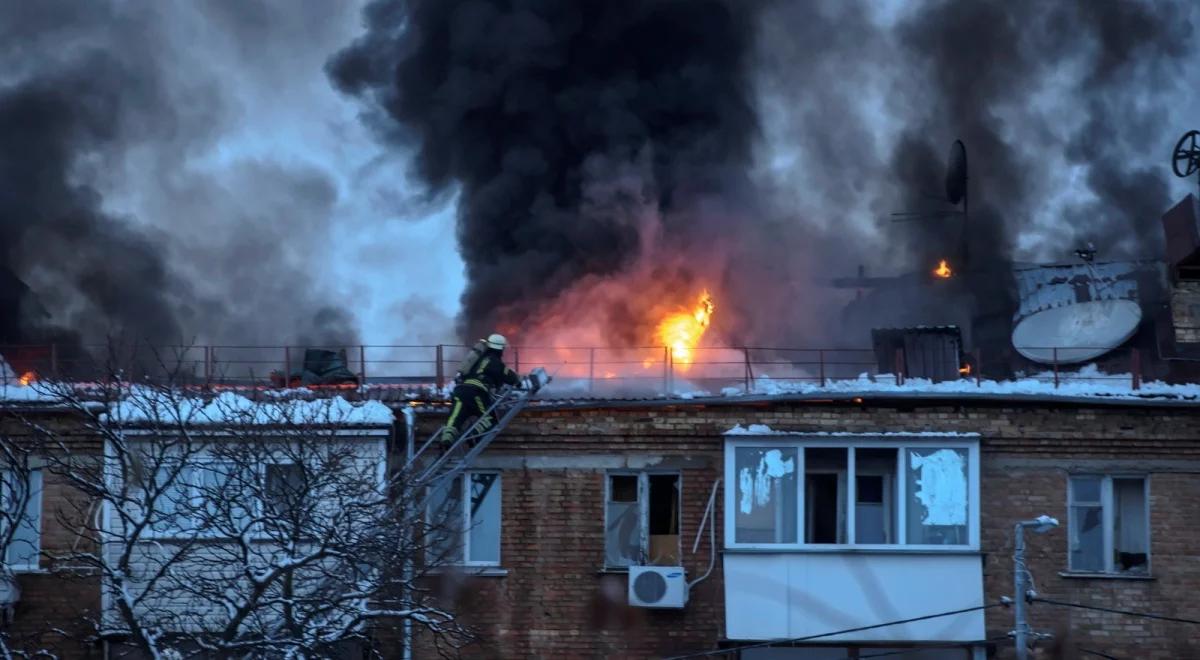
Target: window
<point>1109,530</point>
<point>22,551</point>
<point>466,520</point>
<point>822,492</point>
<point>284,489</point>
<point>198,499</point>
<point>641,520</point>
<point>766,494</point>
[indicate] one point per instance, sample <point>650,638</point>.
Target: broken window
<point>465,520</point>
<point>937,496</point>
<point>824,494</point>
<point>870,492</point>
<point>1109,530</point>
<point>765,483</point>
<point>641,524</point>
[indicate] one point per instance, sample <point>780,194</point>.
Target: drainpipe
<point>410,434</point>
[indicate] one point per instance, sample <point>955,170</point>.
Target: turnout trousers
<point>469,402</point>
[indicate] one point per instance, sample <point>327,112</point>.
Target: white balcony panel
<point>789,595</point>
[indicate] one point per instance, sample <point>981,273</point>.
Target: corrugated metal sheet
<point>1046,287</point>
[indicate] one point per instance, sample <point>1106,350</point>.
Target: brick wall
<point>550,603</point>
<point>56,609</point>
<point>1185,309</point>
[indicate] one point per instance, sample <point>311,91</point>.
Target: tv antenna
<point>956,194</point>
<point>1186,160</point>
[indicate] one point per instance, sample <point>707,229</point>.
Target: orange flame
<point>27,378</point>
<point>682,331</point>
<point>943,270</point>
<point>965,370</point>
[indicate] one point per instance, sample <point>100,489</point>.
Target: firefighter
<point>482,373</point>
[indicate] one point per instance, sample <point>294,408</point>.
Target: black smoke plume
<point>559,122</point>
<point>530,108</point>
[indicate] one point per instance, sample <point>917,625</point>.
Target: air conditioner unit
<point>657,586</point>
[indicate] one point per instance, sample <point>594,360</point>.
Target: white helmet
<point>497,342</point>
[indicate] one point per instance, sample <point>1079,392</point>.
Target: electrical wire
<point>776,642</point>
<point>1142,615</point>
<point>1096,653</point>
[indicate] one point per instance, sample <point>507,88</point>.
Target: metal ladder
<point>476,437</point>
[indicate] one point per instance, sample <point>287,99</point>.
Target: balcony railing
<point>577,371</point>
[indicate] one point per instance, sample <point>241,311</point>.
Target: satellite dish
<point>1186,159</point>
<point>1080,331</point>
<point>956,173</point>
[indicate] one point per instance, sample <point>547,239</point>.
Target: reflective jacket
<point>490,373</point>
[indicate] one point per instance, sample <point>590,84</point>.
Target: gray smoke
<point>120,210</point>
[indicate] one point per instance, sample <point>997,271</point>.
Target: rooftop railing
<point>577,371</point>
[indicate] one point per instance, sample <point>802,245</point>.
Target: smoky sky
<point>810,122</point>
<point>122,212</point>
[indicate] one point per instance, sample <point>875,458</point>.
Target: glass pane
<point>623,536</point>
<point>171,504</point>
<point>1131,543</point>
<point>446,521</point>
<point>825,495</point>
<point>875,495</point>
<point>1085,490</point>
<point>1087,538</point>
<point>937,496</point>
<point>765,495</point>
<point>485,518</point>
<point>284,489</point>
<point>23,551</point>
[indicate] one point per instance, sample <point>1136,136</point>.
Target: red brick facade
<point>550,603</point>
<point>556,601</point>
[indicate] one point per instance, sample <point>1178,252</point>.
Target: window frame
<point>902,443</point>
<point>34,502</point>
<point>193,466</point>
<point>465,499</point>
<point>1108,522</point>
<point>643,502</point>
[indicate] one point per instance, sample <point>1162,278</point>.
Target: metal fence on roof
<point>577,371</point>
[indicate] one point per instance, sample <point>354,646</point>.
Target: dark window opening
<point>664,519</point>
<point>825,476</point>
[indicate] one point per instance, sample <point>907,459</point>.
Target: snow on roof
<point>763,429</point>
<point>1088,381</point>
<point>148,405</point>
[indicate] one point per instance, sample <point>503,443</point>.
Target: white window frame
<point>465,501</point>
<point>34,502</point>
<point>801,441</point>
<point>195,464</point>
<point>1108,520</point>
<point>643,501</point>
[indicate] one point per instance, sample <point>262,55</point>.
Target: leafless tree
<point>229,526</point>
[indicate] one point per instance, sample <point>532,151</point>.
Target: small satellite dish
<point>1186,159</point>
<point>956,173</point>
<point>1080,331</point>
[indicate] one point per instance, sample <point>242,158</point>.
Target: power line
<point>1096,653</point>
<point>1142,615</point>
<point>758,645</point>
